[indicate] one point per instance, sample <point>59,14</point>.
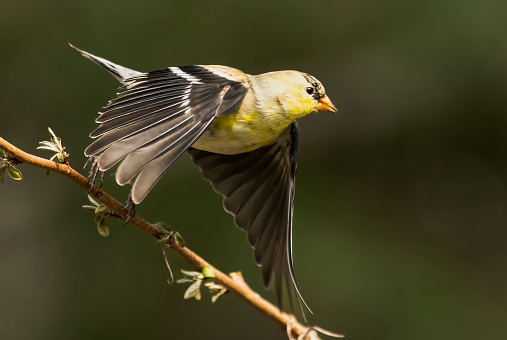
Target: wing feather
<point>158,116</point>
<point>258,189</point>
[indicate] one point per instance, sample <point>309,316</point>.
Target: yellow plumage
<point>273,102</point>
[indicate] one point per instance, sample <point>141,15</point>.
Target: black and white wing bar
<point>158,116</point>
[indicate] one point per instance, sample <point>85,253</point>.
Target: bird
<point>239,129</point>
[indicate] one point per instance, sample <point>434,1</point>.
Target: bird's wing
<point>158,116</point>
<point>119,72</point>
<point>258,189</point>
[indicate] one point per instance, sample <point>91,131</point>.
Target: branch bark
<point>234,283</point>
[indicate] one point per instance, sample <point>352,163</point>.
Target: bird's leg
<point>130,207</point>
<point>94,170</point>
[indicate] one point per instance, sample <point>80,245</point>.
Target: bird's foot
<point>130,207</point>
<point>94,170</point>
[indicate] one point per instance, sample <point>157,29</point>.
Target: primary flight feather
<point>240,130</point>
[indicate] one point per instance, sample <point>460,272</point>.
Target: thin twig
<point>234,283</point>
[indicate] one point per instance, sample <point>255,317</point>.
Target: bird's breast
<point>240,132</point>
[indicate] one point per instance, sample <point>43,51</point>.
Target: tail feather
<point>122,74</point>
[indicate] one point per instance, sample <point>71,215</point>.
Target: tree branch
<point>234,283</point>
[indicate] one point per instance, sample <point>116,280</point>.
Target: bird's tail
<point>119,72</point>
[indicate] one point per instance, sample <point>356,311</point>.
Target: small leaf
<point>179,238</point>
<point>216,289</point>
<point>101,213</point>
<point>54,145</point>
<point>93,201</point>
<point>3,166</point>
<point>50,148</point>
<point>208,272</point>
<point>54,139</point>
<point>101,209</point>
<point>215,297</point>
<point>89,208</point>
<point>161,225</point>
<point>213,286</point>
<point>47,146</point>
<point>14,173</point>
<point>102,228</point>
<point>192,273</point>
<point>193,291</point>
<point>184,280</point>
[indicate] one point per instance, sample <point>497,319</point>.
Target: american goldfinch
<point>240,130</point>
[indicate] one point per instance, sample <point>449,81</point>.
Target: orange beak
<point>325,104</point>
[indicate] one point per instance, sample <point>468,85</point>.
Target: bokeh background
<point>401,200</point>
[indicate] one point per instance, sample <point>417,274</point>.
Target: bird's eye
<point>310,90</point>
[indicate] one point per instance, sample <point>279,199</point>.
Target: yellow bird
<point>240,130</point>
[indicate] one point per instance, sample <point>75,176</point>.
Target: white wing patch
<point>184,75</point>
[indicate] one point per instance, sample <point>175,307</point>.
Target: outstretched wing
<point>156,118</point>
<point>258,189</point>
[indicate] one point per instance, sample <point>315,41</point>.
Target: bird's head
<point>314,89</point>
<point>300,93</point>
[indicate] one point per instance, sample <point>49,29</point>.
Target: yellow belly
<point>238,133</point>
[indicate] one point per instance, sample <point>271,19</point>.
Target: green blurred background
<point>401,200</point>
